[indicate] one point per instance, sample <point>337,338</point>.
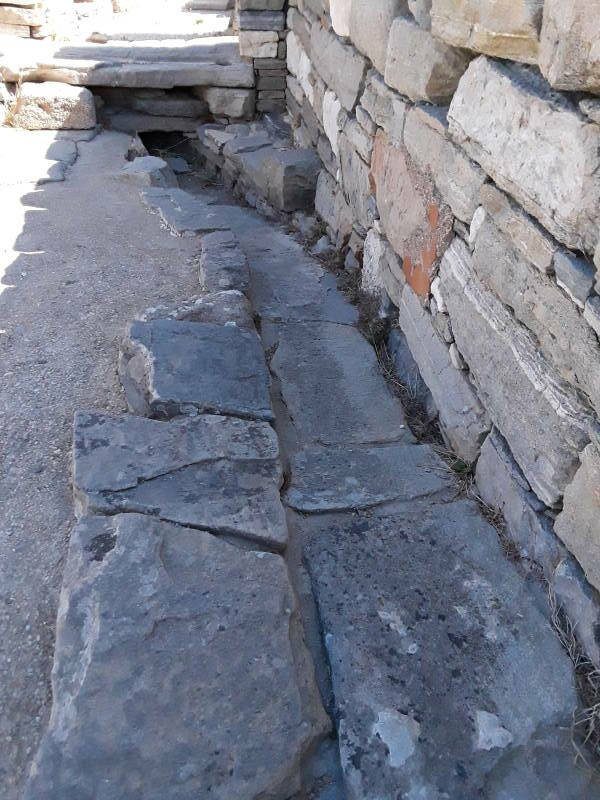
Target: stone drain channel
<point>354,630</point>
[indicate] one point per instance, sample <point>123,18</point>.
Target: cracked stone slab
<point>339,478</point>
<point>168,367</point>
<point>223,308</point>
<point>435,661</point>
<point>223,263</point>
<point>182,213</point>
<point>332,385</point>
<point>179,670</point>
<point>220,474</point>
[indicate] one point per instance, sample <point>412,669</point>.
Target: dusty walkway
<point>78,259</point>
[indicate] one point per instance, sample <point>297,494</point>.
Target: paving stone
<point>219,474</point>
<point>350,477</point>
<point>370,27</point>
<point>169,368</point>
<point>149,171</point>
<point>568,56</point>
<point>230,307</point>
<point>332,386</point>
<point>420,66</point>
<point>183,213</point>
<point>53,106</point>
<point>564,196</point>
<point>153,695</point>
<point>340,66</point>
<point>435,664</point>
<point>223,263</point>
<point>541,417</point>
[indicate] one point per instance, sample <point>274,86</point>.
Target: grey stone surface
<point>149,171</point>
<point>153,694</point>
<point>370,27</point>
<point>335,364</point>
<point>169,367</point>
<point>421,11</point>
<point>228,102</point>
<point>581,604</point>
<point>218,474</point>
<point>575,274</point>
<point>182,213</point>
<point>356,182</point>
<point>350,477</point>
<point>492,133</point>
<point>408,372</point>
<point>174,104</point>
<point>137,122</point>
<point>223,263</point>
<point>591,313</point>
<point>331,206</point>
<point>221,307</point>
<point>263,20</point>
<point>541,417</point>
<point>435,663</point>
<point>386,107</point>
<point>462,417</point>
<point>340,66</point>
<point>568,40</point>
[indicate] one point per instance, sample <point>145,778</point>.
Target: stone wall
<point>467,189</point>
<point>262,34</point>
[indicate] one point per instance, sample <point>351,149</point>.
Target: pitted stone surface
<point>435,644</point>
<point>223,263</point>
<point>338,478</point>
<point>182,213</point>
<point>169,367</point>
<point>230,307</point>
<point>180,670</point>
<point>216,473</point>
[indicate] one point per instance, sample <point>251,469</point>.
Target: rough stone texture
<point>580,602</point>
<point>219,474</point>
<point>421,66</point>
<point>541,417</point>
<point>340,66</point>
<point>174,104</point>
<point>370,25</point>
<point>565,194</point>
<point>563,335</point>
<point>340,11</point>
<point>355,182</point>
<point>223,263</point>
<point>229,307</point>
<point>331,116</point>
<point>135,122</point>
<point>335,363</point>
<point>578,525</point>
<point>462,418</point>
<point>417,224</point>
<point>299,65</point>
<point>339,478</point>
<point>332,207</point>
<point>575,275</point>
<point>437,691</point>
<point>149,171</point>
<point>591,313</point>
<point>232,103</point>
<point>258,44</point>
<point>169,367</point>
<point>191,613</point>
<point>421,11</point>
<point>569,56</point>
<point>505,29</point>
<point>53,106</point>
<point>182,213</point>
<point>386,107</point>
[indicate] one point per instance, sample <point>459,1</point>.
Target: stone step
<point>219,474</point>
<point>186,215</point>
<point>180,670</point>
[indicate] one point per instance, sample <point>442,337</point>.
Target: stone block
<point>569,56</point>
<point>462,418</point>
<point>149,171</point>
<point>565,195</point>
<point>53,106</point>
<point>340,11</point>
<point>223,264</point>
<point>359,139</point>
<point>578,525</point>
<point>370,25</point>
<point>421,11</point>
<point>182,213</point>
<point>262,21</point>
<point>261,5</point>
<point>581,604</point>
<point>506,29</point>
<point>223,308</point>
<point>287,179</point>
<point>541,417</point>
<point>174,104</point>
<point>591,313</point>
<point>420,66</point>
<point>416,222</point>
<point>356,182</point>
<point>258,44</point>
<point>340,66</point>
<point>300,66</point>
<point>385,107</point>
<point>332,208</point>
<point>156,627</point>
<point>576,275</point>
<point>232,103</point>
<point>331,119</point>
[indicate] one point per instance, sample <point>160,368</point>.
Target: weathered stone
<point>590,106</point>
<point>564,196</point>
<point>331,119</point>
<point>365,121</point>
<point>386,107</point>
<point>53,106</point>
<point>536,301</point>
<point>299,65</point>
<point>578,525</point>
<point>175,104</point>
<point>337,364</point>
<point>421,11</point>
<point>374,263</point>
<point>153,694</point>
<point>581,603</point>
<point>591,313</point>
<point>340,11</point>
<point>183,213</point>
<point>569,55</point>
<point>178,164</point>
<point>435,662</point>
<point>417,224</point>
<point>575,274</point>
<point>542,418</point>
<point>169,367</point>
<point>524,233</point>
<point>332,207</point>
<point>408,372</point>
<point>421,66</point>
<point>462,418</point>
<point>258,44</point>
<point>223,263</point>
<point>262,20</point>
<point>220,474</point>
<point>340,66</point>
<point>135,122</point>
<point>370,27</point>
<point>505,29</point>
<point>359,139</point>
<point>458,179</point>
<point>149,171</point>
<point>223,308</point>
<point>232,103</point>
<point>348,478</point>
<point>356,182</point>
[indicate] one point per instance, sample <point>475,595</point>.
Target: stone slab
<point>149,171</point>
<point>169,367</point>
<point>339,64</point>
<point>350,477</point>
<point>332,385</point>
<point>370,25</point>
<point>230,307</point>
<point>137,122</point>
<point>183,213</point>
<point>435,663</point>
<point>180,670</point>
<point>568,49</point>
<point>223,264</point>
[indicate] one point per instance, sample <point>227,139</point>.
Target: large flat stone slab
<point>169,367</point>
<point>435,645</point>
<point>230,307</point>
<point>179,670</point>
<point>223,264</point>
<point>332,385</point>
<point>182,213</point>
<point>220,474</point>
<point>339,478</point>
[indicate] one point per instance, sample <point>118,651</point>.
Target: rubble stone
<point>53,106</point>
<point>568,52</point>
<point>370,27</point>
